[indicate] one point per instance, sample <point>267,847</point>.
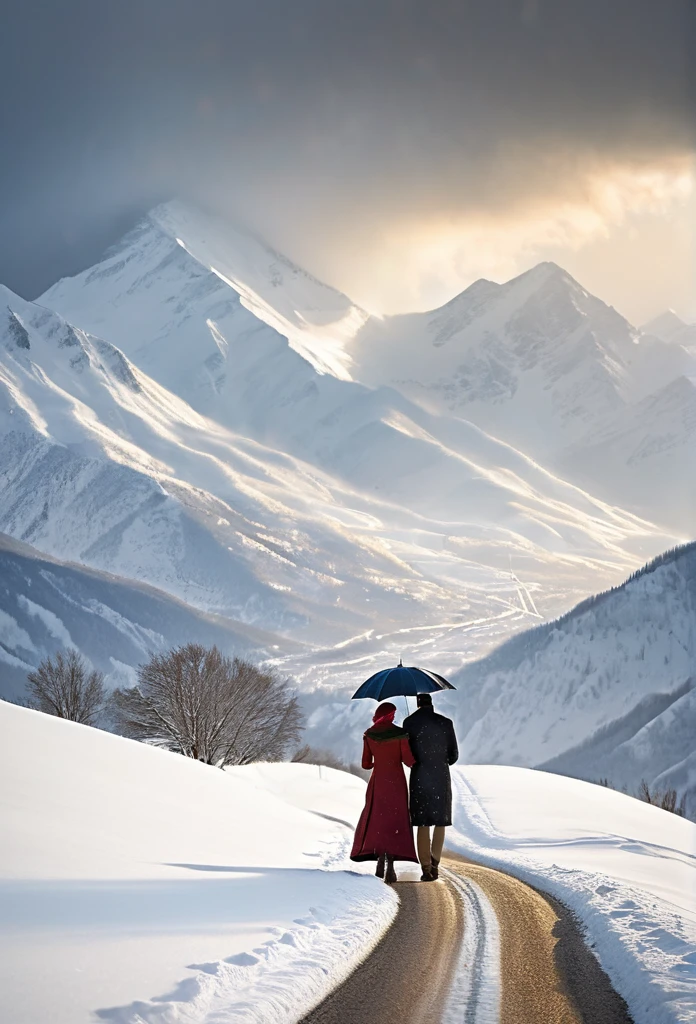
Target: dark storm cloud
<point>309,116</point>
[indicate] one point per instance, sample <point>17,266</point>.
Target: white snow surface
<point>543,364</point>
<point>646,453</point>
<point>537,359</point>
<point>138,886</point>
<point>625,868</point>
<point>152,889</point>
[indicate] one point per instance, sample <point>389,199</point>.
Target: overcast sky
<point>399,149</point>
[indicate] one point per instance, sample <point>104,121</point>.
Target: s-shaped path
<point>476,947</point>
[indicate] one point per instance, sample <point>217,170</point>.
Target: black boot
<point>379,870</point>
<point>434,864</point>
<point>390,876</point>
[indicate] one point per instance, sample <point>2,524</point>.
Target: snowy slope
<point>150,887</point>
<point>125,873</point>
<point>669,327</point>
<point>318,320</point>
<point>647,454</point>
<point>180,262</point>
<point>47,605</point>
<point>536,361</point>
<point>626,869</point>
<point>79,482</point>
<point>102,466</point>
<point>606,691</point>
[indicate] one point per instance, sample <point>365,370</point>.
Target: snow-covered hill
<point>537,361</point>
<point>47,605</point>
<point>606,691</point>
<point>125,874</point>
<point>647,454</point>
<point>627,870</point>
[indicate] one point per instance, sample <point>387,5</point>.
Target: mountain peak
<point>543,273</point>
<point>667,320</point>
<point>483,288</point>
<point>670,328</point>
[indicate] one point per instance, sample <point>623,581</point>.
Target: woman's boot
<point>379,870</point>
<point>390,876</point>
<point>433,867</point>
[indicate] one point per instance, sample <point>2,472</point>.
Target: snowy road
<point>479,947</point>
<point>543,973</point>
<point>408,977</point>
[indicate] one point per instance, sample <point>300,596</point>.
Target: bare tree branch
<point>210,707</point>
<point>65,686</point>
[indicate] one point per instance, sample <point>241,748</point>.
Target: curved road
<point>545,974</point>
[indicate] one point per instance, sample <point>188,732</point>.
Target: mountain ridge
<point>671,328</point>
<point>47,604</point>
<point>608,688</point>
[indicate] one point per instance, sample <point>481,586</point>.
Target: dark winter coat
<point>384,825</point>
<point>434,747</point>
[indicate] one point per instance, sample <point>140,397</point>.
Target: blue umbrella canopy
<point>401,681</point>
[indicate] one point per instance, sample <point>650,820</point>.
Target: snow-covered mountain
<point>609,690</point>
<point>178,288</point>
<point>103,466</point>
<point>206,310</point>
<point>187,328</point>
<point>48,605</point>
<point>647,454</point>
<point>397,529</point>
<point>537,361</point>
<point>671,328</point>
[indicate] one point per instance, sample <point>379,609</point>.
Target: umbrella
<point>401,682</point>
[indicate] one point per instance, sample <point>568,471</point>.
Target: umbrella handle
<point>407,707</point>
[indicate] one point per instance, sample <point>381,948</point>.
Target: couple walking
<point>427,744</point>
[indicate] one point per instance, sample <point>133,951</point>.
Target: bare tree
<point>209,707</point>
<point>65,686</point>
<point>667,800</point>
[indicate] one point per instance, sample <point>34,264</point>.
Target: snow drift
<point>626,869</point>
<point>143,886</point>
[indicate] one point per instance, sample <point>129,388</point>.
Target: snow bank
<point>628,870</point>
<point>140,886</point>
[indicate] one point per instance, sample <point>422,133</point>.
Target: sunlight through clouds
<point>439,257</point>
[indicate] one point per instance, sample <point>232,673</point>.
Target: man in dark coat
<point>434,747</point>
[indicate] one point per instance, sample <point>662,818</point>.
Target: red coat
<point>385,825</point>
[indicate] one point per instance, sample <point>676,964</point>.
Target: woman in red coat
<point>384,832</point>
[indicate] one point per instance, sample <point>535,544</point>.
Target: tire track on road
<point>477,947</point>
<point>407,977</point>
<point>474,997</point>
